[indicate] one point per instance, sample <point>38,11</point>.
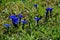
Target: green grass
<point>50,30</point>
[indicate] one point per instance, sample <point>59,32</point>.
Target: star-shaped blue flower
<point>37,19</point>
<point>6,25</point>
<point>24,21</point>
<point>49,9</point>
<point>14,18</point>
<point>35,5</point>
<point>20,16</point>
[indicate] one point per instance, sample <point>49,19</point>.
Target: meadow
<point>31,29</point>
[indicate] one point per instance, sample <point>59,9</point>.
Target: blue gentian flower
<point>14,18</point>
<point>37,19</point>
<point>24,21</point>
<point>35,5</point>
<point>15,22</point>
<point>20,16</point>
<point>49,9</point>
<point>6,25</point>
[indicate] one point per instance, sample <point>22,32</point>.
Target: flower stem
<point>20,21</point>
<point>37,23</point>
<point>23,26</point>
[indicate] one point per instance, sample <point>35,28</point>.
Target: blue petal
<point>47,9</point>
<point>20,16</point>
<point>51,9</point>
<point>15,20</point>
<point>12,16</point>
<point>35,5</point>
<point>6,25</point>
<point>36,18</point>
<point>24,21</point>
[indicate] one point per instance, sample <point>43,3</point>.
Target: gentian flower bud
<point>36,5</point>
